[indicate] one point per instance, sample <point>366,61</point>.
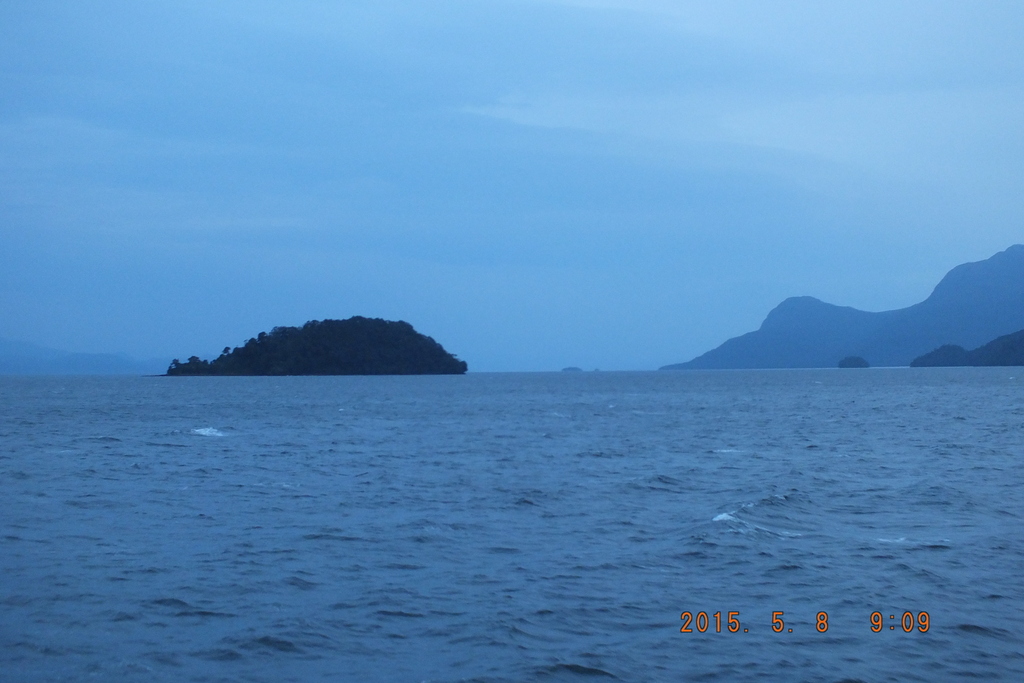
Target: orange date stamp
<point>702,622</point>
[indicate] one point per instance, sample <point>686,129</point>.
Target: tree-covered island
<point>356,346</point>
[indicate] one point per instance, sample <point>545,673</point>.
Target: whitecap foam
<point>724,517</point>
<point>208,431</point>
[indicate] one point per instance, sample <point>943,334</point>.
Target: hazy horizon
<point>29,350</point>
<point>533,183</point>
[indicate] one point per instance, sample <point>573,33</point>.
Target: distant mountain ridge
<point>23,358</point>
<point>973,304</point>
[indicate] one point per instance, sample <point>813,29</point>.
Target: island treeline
<point>356,346</point>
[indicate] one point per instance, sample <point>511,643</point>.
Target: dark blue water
<point>534,527</point>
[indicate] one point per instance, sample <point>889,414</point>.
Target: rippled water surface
<point>534,527</point>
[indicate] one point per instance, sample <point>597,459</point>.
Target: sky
<point>534,183</point>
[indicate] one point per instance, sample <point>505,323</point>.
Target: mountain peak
<point>973,304</point>
<point>998,275</point>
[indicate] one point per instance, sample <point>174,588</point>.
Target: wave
<point>742,526</point>
<point>579,670</point>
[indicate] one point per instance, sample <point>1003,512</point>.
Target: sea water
<point>514,527</point>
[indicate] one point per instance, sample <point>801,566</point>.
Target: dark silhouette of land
<point>854,362</point>
<point>974,302</point>
<point>1006,350</point>
<point>356,346</point>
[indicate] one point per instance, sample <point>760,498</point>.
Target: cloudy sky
<point>534,183</point>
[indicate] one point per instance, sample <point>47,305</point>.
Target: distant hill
<point>974,302</point>
<point>22,358</point>
<point>1006,350</point>
<point>356,346</point>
